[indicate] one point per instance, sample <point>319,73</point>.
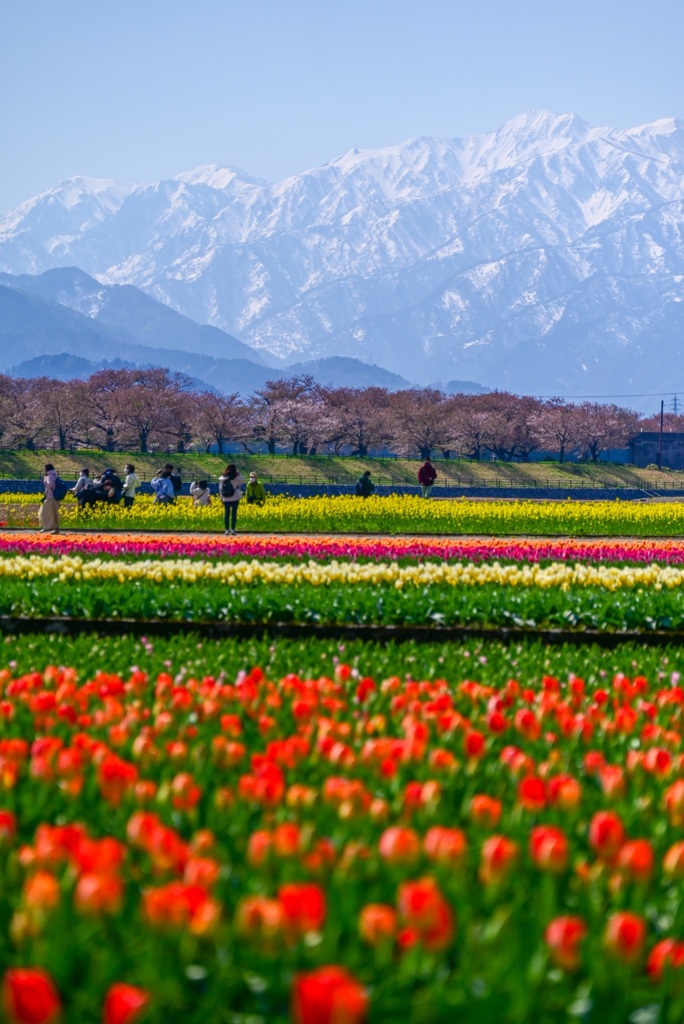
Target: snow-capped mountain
<point>546,257</point>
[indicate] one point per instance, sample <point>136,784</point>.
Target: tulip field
<point>607,587</point>
<point>267,830</point>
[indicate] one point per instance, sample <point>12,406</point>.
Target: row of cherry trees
<point>156,410</point>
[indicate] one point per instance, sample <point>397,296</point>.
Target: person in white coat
<point>200,493</point>
<point>131,484</point>
<point>48,517</point>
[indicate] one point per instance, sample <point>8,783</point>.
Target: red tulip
<point>115,777</point>
<point>474,744</point>
<point>625,936</point>
<point>445,845</point>
<point>673,798</point>
<point>564,791</point>
<point>426,913</point>
<point>176,905</point>
<point>635,860</point>
<point>41,891</point>
<point>29,996</point>
<point>304,907</point>
<point>498,855</point>
<point>8,826</point>
<point>98,894</point>
<point>532,793</point>
<point>606,835</point>
<point>485,810</point>
<point>399,845</point>
<point>123,1003</point>
<point>549,848</point>
<point>377,923</point>
<point>329,995</point>
<point>673,861</point>
<point>657,761</point>
<point>666,957</point>
<point>259,918</point>
<point>564,936</point>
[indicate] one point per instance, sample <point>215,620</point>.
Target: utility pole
<point>660,436</point>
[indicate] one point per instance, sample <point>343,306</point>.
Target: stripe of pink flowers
<point>350,548</point>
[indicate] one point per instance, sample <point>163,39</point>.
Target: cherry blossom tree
<point>557,425</point>
<point>358,418</point>
<point>59,411</point>
<point>604,426</point>
<point>419,420</point>
<point>275,420</point>
<point>218,418</point>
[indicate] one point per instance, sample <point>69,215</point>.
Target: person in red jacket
<point>427,474</point>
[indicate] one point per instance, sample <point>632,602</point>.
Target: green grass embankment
<point>327,469</point>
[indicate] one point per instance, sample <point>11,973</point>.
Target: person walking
<point>255,491</point>
<point>130,485</point>
<point>48,517</point>
<point>230,486</point>
<point>199,493</point>
<point>364,485</point>
<point>427,474</point>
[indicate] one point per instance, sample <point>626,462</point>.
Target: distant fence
<point>300,487</point>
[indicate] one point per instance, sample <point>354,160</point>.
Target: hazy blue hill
<point>31,326</point>
<point>465,387</point>
<point>45,338</point>
<point>226,375</point>
<point>39,336</point>
<point>64,324</point>
<point>67,367</point>
<point>133,315</point>
<point>64,367</point>
<point>343,371</point>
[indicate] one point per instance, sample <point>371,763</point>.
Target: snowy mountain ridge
<point>545,256</point>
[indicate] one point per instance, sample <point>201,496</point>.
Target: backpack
<point>59,491</point>
<point>227,488</point>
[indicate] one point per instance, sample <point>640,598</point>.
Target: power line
<point>649,394</point>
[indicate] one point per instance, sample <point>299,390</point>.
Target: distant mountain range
<point>546,257</point>
<point>64,324</point>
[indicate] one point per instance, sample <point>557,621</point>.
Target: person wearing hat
<point>199,492</point>
<point>254,492</point>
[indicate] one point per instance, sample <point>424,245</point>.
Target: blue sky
<point>143,89</point>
